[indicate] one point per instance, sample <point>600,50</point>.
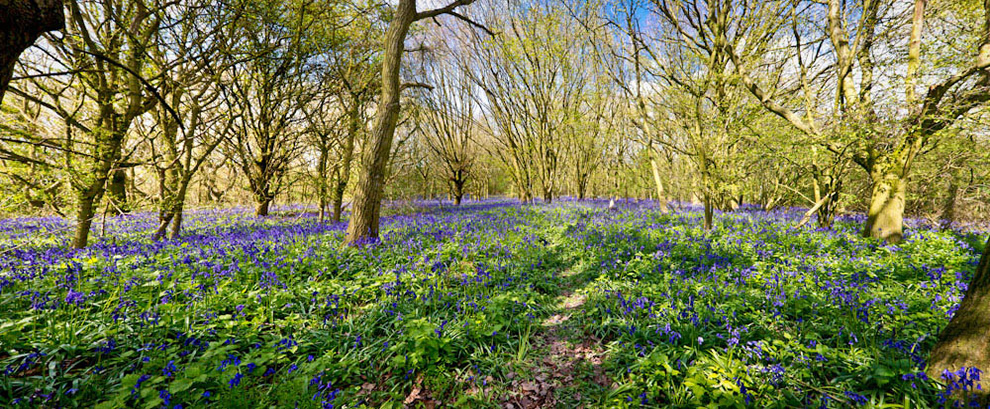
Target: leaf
<point>180,385</point>
<point>412,396</point>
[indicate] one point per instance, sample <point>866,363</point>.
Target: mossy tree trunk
<point>885,215</point>
<point>90,190</point>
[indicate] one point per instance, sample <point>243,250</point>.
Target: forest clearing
<point>494,203</point>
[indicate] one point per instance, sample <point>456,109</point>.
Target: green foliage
<point>454,307</point>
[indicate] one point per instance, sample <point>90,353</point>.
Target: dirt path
<point>564,363</point>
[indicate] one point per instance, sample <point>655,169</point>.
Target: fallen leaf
<point>412,396</point>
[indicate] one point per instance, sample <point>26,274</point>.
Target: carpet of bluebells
<point>272,312</point>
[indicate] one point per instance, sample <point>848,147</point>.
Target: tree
<point>269,90</point>
<point>323,128</point>
<point>449,114</point>
<point>702,116</point>
<point>534,78</point>
<point>21,23</point>
<point>353,65</point>
<point>105,51</point>
<point>885,145</point>
<point>628,70</point>
<point>364,221</point>
<point>188,52</point>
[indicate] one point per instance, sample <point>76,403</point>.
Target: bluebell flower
<point>236,380</point>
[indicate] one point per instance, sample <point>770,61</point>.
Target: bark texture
<point>21,23</point>
<point>885,217</point>
<point>965,341</point>
<point>118,192</point>
<point>371,183</point>
<point>363,224</point>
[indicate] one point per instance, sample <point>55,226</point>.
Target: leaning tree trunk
<point>885,217</point>
<point>366,210</point>
<point>21,23</point>
<point>965,342</point>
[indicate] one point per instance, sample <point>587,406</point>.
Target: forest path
<point>564,364</point>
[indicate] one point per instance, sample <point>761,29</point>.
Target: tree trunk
<point>458,190</point>
<point>321,182</point>
<point>661,196</point>
<point>176,225</point>
<point>709,213</point>
<point>345,172</point>
<point>178,207</point>
<point>107,153</point>
<point>884,219</point>
<point>949,208</point>
<point>117,193</point>
<point>366,209</point>
<point>85,213</point>
<point>965,341</point>
<point>338,201</point>
<point>164,219</point>
<point>831,185</point>
<point>261,210</point>
<point>323,209</point>
<point>21,23</point>
<point>582,187</point>
<point>826,213</point>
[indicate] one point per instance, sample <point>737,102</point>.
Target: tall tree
<point>105,50</point>
<point>354,65</point>
<point>704,117</point>
<point>885,144</point>
<point>449,118</point>
<point>534,77</point>
<point>269,90</point>
<point>366,212</point>
<point>189,53</point>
